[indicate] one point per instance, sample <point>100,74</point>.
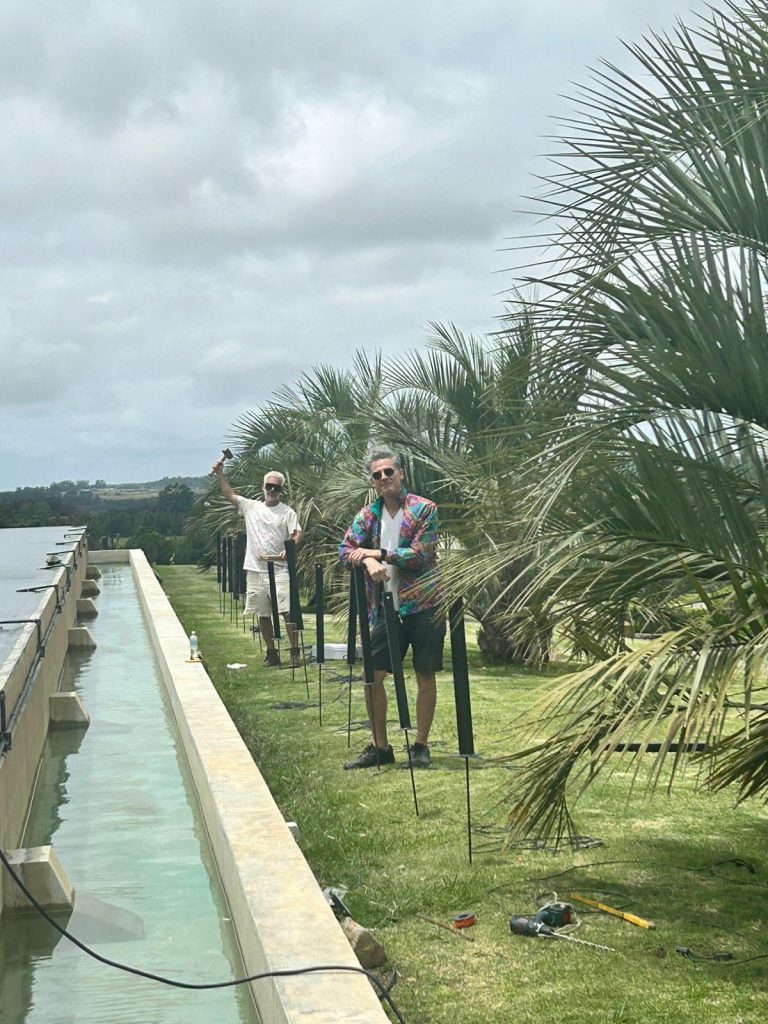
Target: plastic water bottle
<point>193,646</point>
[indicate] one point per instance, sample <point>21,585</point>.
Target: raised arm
<point>224,485</point>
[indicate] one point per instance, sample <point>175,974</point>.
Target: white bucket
<point>336,652</point>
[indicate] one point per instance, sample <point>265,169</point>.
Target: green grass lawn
<point>359,831</point>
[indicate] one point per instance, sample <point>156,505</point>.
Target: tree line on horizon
<point>602,459</point>
<point>156,524</point>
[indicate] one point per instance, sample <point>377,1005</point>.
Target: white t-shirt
<point>390,540</point>
<point>267,528</point>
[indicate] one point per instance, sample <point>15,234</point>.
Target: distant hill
<point>151,515</point>
<point>147,489</point>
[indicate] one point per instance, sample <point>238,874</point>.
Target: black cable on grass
<point>301,705</point>
<point>362,725</point>
<point>739,863</point>
<point>496,840</point>
<point>674,867</point>
<point>718,959</point>
<point>288,972</point>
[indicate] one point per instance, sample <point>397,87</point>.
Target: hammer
<point>225,454</point>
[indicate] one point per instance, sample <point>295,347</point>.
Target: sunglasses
<point>273,487</point>
<point>379,473</point>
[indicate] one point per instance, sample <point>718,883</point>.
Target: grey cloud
<point>199,201</point>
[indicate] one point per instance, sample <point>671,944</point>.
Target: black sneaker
<point>272,660</point>
<point>419,755</point>
<point>371,757</point>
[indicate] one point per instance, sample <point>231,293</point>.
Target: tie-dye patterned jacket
<point>415,555</point>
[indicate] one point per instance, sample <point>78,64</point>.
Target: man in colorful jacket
<point>395,540</point>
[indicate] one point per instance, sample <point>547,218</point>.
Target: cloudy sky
<point>200,200</point>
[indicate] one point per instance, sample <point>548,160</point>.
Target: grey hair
<point>274,472</point>
<point>375,454</point>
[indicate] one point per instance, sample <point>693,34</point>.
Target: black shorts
<point>423,631</point>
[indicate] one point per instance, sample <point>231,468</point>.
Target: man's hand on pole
<point>377,571</point>
<point>360,554</point>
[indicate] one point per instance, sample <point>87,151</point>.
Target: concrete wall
<point>19,765</point>
<point>118,556</point>
<point>281,917</point>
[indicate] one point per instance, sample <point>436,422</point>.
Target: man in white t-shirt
<point>268,525</point>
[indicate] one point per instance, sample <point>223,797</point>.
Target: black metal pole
<point>238,572</point>
<point>224,571</point>
<point>463,703</point>
<point>393,638</point>
<point>362,617</point>
<point>320,635</point>
<point>297,619</point>
<point>273,600</point>
<point>232,571</point>
<point>461,679</point>
<point>351,648</point>
<point>293,584</point>
<point>392,620</point>
<point>218,566</point>
<point>365,643</point>
<point>241,545</point>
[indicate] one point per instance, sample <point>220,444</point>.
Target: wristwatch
<point>384,554</point>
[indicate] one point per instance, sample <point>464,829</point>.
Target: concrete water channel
<point>116,803</point>
<point>180,861</point>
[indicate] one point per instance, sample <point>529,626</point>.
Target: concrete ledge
<point>67,709</point>
<point>118,556</point>
<point>92,573</point>
<point>89,588</point>
<point>86,609</point>
<point>27,682</point>
<point>40,870</point>
<point>80,636</point>
<point>281,917</point>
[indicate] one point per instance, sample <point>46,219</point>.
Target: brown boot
<point>272,660</point>
<point>296,659</point>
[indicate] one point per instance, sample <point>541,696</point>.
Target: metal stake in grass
<point>392,620</point>
<point>320,635</point>
<point>256,631</point>
<point>461,695</point>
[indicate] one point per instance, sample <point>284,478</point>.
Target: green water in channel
<point>116,802</point>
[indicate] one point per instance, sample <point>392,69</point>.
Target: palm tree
<point>453,410</point>
<point>316,432</point>
<point>652,494</point>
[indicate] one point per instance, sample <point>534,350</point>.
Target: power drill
<point>530,926</point>
<point>544,921</point>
